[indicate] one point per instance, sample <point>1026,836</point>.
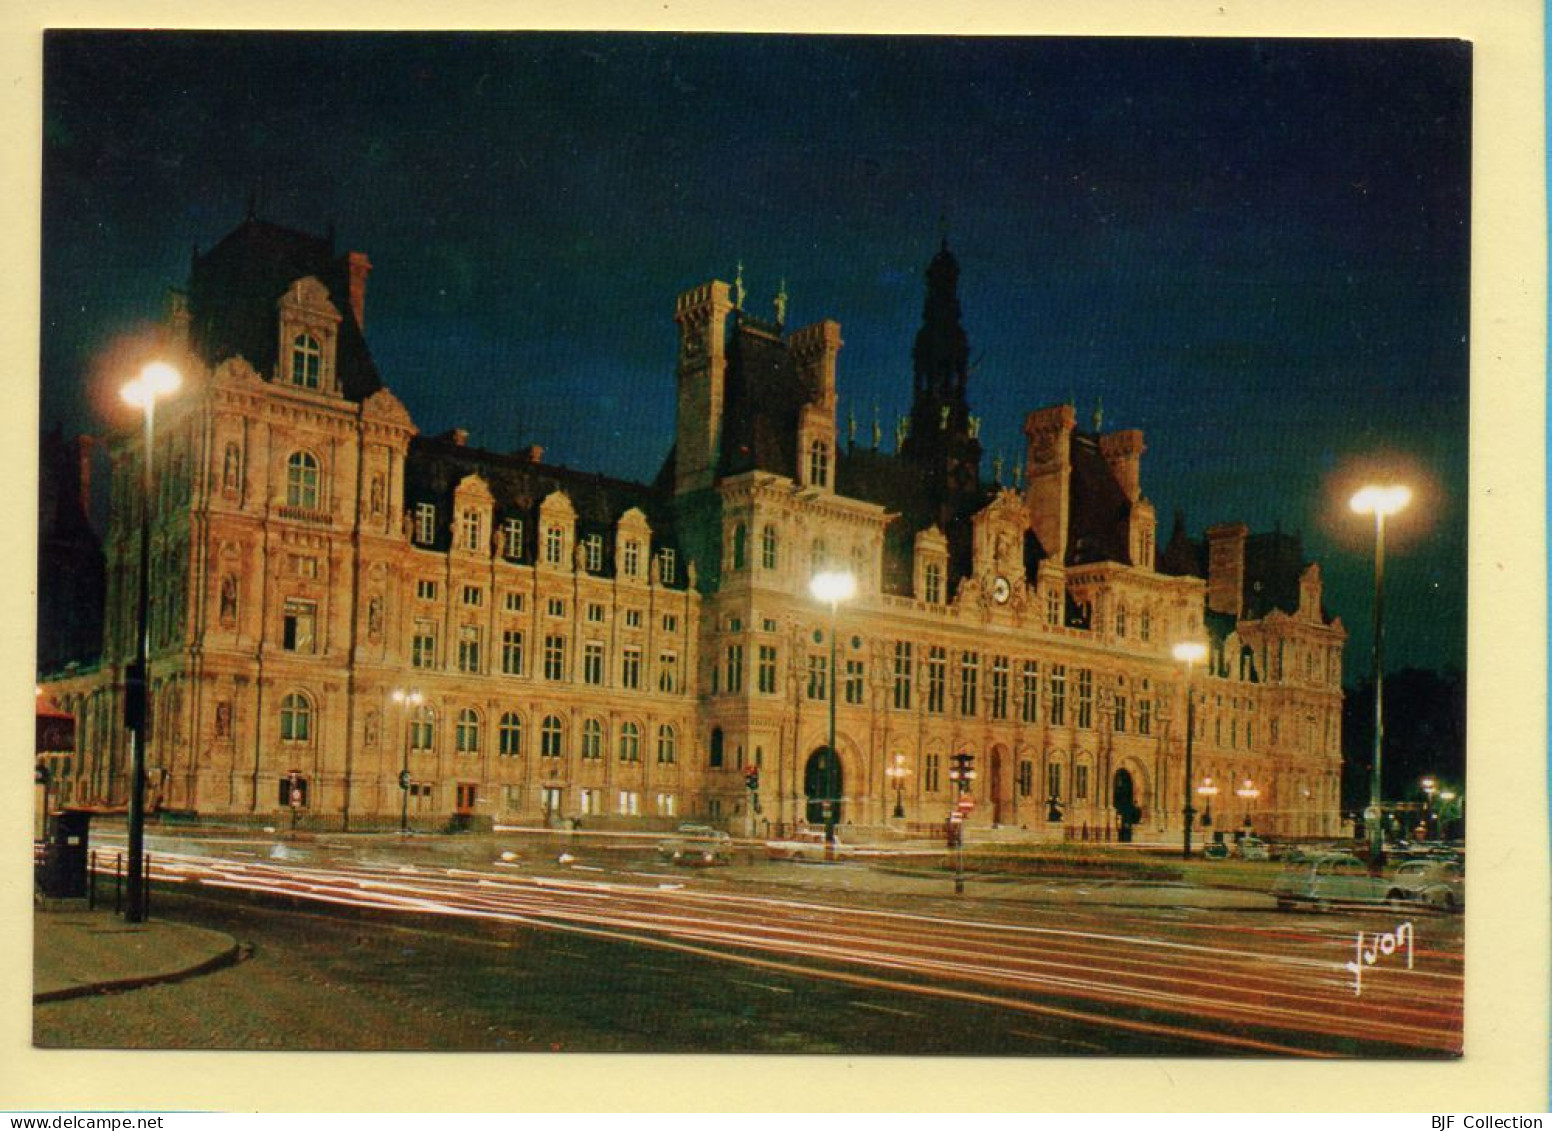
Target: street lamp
<point>1430,787</point>
<point>1380,502</point>
<point>156,380</point>
<point>1446,796</point>
<point>1247,793</point>
<point>897,772</point>
<point>406,700</point>
<point>832,587</point>
<point>1209,791</point>
<point>1190,653</point>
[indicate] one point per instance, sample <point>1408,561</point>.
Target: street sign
<point>296,797</point>
<point>966,804</point>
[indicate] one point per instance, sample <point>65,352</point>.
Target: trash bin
<point>65,855</point>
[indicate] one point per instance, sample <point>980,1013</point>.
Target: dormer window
<point>667,566</point>
<point>512,539</point>
<point>554,545</point>
<point>595,552</point>
<point>933,576</point>
<point>632,558</point>
<point>470,529</point>
<point>425,523</point>
<point>818,464</point>
<point>306,361</point>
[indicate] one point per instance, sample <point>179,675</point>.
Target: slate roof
<point>1099,512</point>
<point>763,398</point>
<point>234,288</point>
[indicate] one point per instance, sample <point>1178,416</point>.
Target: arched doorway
<point>1124,800</point>
<point>821,784</point>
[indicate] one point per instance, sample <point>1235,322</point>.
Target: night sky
<point>1255,251</point>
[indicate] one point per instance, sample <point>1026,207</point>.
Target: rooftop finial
<point>1018,474</point>
<point>781,304</point>
<point>878,431</point>
<point>997,469</point>
<point>738,286</point>
<point>1099,414</point>
<point>851,426</point>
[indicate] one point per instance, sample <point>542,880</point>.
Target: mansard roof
<point>1098,521</point>
<point>764,396</point>
<point>234,288</point>
<point>1274,562</point>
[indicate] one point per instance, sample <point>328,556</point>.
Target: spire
<point>997,468</point>
<point>1099,414</point>
<point>878,432</point>
<point>738,286</point>
<point>781,304</point>
<point>851,426</point>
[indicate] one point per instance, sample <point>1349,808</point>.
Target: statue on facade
<point>229,599</point>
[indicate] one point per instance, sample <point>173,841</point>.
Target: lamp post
<point>1380,502</point>
<point>157,379</point>
<point>406,700</point>
<point>1208,791</point>
<point>832,587</point>
<point>897,773</point>
<point>1190,653</point>
<point>1430,787</point>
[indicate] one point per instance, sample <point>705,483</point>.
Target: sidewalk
<point>78,952</point>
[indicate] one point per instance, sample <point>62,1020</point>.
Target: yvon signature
<point>1382,945</point>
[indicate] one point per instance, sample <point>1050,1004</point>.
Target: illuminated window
<point>631,558</point>
<point>903,674</point>
<point>470,527</point>
<point>425,523</point>
<point>296,718</point>
<point>934,586</point>
<point>818,464</point>
<point>768,548</point>
<point>306,361</point>
<point>512,539</point>
<point>302,476</point>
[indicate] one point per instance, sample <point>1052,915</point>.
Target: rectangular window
<point>818,676</point>
<point>666,806</point>
<point>1085,697</point>
<point>667,566</point>
<point>999,703</point>
<point>1053,608</point>
<point>630,803</point>
<point>1120,714</point>
<point>632,618</point>
<point>593,663</point>
<point>554,545</point>
<point>934,583</point>
<point>299,631</point>
<point>595,614</point>
<point>668,673</point>
<point>512,539</point>
<point>735,669</point>
<point>1053,781</point>
<point>426,589</point>
<point>555,657</point>
<point>425,523</point>
<point>930,767</point>
<point>903,674</point>
<point>937,679</point>
<point>1026,778</point>
<point>767,670</point>
<point>473,596</point>
<point>512,652</point>
<point>556,607</point>
<point>630,669</point>
<point>1029,686</point>
<point>1144,715</point>
<point>470,530</point>
<point>670,623</point>
<point>423,645</point>
<point>304,565</point>
<point>594,548</point>
<point>969,677</point>
<point>1080,783</point>
<point>550,798</point>
<point>590,804</point>
<point>854,682</point>
<point>468,648</point>
<point>1058,699</point>
<point>632,558</point>
<point>514,602</point>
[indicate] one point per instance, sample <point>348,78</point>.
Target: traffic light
<point>752,779</point>
<point>962,773</point>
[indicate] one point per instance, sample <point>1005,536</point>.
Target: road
<point>899,965</point>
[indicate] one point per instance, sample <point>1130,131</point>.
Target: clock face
<point>1001,590</point>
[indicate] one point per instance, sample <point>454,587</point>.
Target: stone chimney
<point>1123,452</point>
<point>1049,493</point>
<point>359,266</point>
<point>1226,567</point>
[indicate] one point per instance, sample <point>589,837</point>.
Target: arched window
<point>592,739</point>
<point>306,361</point>
<point>551,738</point>
<point>818,464</point>
<point>740,545</point>
<point>423,729</point>
<point>768,547</point>
<point>468,732</point>
<point>630,742</point>
<point>666,744</point>
<point>511,734</point>
<point>302,480</point>
<point>296,718</point>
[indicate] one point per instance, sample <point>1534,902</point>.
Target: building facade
<point>350,618</point>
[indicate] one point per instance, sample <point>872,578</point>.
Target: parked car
<point>806,845</point>
<point>1215,850</point>
<point>1437,882</point>
<point>1335,877</point>
<point>1254,848</point>
<point>697,846</point>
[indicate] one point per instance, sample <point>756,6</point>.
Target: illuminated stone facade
<point>620,653</point>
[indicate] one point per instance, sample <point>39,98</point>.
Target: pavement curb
<point>229,957</point>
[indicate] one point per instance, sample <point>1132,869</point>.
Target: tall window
<point>592,739</point>
<point>818,464</point>
<point>299,626</point>
<point>667,673</point>
<point>715,756</point>
<point>468,648</point>
<point>511,734</point>
<point>630,558</point>
<point>306,361</point>
<point>555,658</point>
<point>630,669</point>
<point>470,528</point>
<point>740,545</point>
<point>735,669</point>
<point>969,680</point>
<point>467,732</point>
<point>423,729</point>
<point>512,538</point>
<point>1080,783</point>
<point>1145,625</point>
<point>1026,777</point>
<point>1144,711</point>
<point>423,645</point>
<point>999,703</point>
<point>903,674</point>
<point>818,676</point>
<point>1053,608</point>
<point>854,682</point>
<point>930,769</point>
<point>593,662</point>
<point>554,545</point>
<point>766,672</point>
<point>667,566</point>
<point>551,738</point>
<point>1053,781</point>
<point>302,480</point>
<point>937,679</point>
<point>594,550</point>
<point>425,523</point>
<point>768,547</point>
<point>296,718</point>
<point>1120,621</point>
<point>1058,699</point>
<point>934,578</point>
<point>1085,697</point>
<point>1120,714</point>
<point>630,742</point>
<point>1029,701</point>
<point>512,652</point>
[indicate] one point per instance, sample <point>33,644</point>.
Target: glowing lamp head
<point>1190,652</point>
<point>1429,785</point>
<point>156,380</point>
<point>1447,795</point>
<point>833,586</point>
<point>1381,501</point>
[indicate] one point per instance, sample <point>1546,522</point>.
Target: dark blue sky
<point>1256,251</point>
